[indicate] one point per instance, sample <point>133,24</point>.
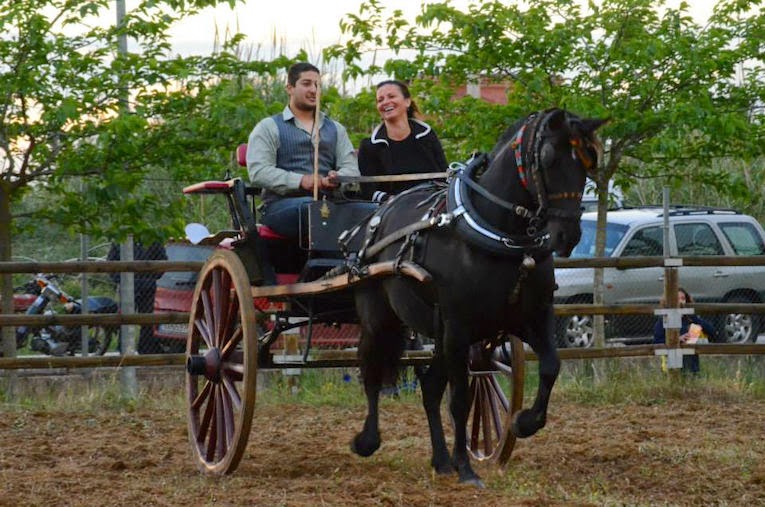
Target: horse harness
<point>450,205</point>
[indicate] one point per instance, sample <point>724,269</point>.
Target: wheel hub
<point>208,365</point>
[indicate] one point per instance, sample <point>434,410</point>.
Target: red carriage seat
<point>241,154</point>
<point>266,232</point>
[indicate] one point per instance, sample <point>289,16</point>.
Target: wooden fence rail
<point>9,320</point>
<point>348,358</point>
<point>161,266</point>
<point>183,317</point>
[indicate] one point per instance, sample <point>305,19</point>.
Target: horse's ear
<point>556,119</point>
<point>592,124</point>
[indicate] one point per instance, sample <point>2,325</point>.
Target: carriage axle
<point>208,365</point>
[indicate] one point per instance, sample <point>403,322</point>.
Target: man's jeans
<point>285,215</point>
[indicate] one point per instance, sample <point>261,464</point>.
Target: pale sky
<point>308,24</point>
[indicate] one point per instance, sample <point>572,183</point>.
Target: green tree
<point>679,95</point>
<point>88,124</point>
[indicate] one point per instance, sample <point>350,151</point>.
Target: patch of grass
<point>599,382</point>
<point>641,381</point>
<point>90,392</point>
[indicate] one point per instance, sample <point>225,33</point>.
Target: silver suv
<point>694,231</point>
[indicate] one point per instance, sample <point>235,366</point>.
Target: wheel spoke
<point>228,415</point>
<point>488,407</point>
<point>220,422</point>
<point>500,394</point>
<point>234,367</point>
<point>231,344</point>
<point>232,392</point>
<point>204,332</point>
<point>230,319</point>
<point>212,436</point>
<point>202,396</point>
<point>204,425</point>
<point>502,366</point>
<point>216,303</point>
<point>475,411</point>
<point>208,319</point>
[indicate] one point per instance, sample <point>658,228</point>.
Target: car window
<point>183,279</point>
<point>648,241</point>
<point>586,246</point>
<point>743,237</point>
<point>696,239</point>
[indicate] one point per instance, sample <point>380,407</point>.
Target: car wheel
<point>739,327</point>
<point>575,330</point>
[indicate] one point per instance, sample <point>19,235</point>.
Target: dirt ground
<point>688,452</point>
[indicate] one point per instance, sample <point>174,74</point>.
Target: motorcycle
<point>60,340</point>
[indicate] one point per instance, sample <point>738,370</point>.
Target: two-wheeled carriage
<point>259,286</point>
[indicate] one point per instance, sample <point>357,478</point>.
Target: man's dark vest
<point>295,153</point>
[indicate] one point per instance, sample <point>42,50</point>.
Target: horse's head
<point>563,150</point>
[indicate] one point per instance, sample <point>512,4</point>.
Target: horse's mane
<point>505,138</point>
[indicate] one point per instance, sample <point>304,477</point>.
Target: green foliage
<point>673,89</point>
<point>95,129</point>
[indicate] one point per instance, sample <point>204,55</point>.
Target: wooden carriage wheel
<point>493,373</point>
<point>221,364</point>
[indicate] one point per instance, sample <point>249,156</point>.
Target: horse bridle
<point>536,124</point>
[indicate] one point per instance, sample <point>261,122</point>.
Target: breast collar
<point>476,231</point>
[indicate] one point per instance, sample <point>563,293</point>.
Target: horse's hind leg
<point>433,384</point>
<point>528,422</point>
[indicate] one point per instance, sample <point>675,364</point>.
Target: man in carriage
<point>281,154</point>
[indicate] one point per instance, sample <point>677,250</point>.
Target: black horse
<point>488,245</point>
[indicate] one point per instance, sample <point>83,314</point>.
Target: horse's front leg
<point>456,352</point>
<point>367,441</point>
<point>433,383</point>
<point>542,340</point>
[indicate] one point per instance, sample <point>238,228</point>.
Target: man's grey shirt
<point>262,150</point>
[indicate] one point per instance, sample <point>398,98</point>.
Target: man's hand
<point>327,182</point>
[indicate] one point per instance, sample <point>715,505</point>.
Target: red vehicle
<point>22,301</point>
<point>175,292</point>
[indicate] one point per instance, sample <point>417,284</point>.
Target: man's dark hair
<point>293,74</point>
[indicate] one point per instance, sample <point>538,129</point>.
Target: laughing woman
<point>401,144</point>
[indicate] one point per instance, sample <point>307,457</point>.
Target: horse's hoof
<point>363,447</point>
<point>443,468</point>
<point>474,481</point>
<point>525,424</point>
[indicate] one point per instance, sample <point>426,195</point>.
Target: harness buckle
<point>541,240</point>
<point>444,219</point>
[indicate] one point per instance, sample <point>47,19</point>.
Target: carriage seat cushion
<point>266,232</point>
<point>241,154</point>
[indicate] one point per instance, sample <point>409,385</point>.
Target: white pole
<point>127,293</point>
